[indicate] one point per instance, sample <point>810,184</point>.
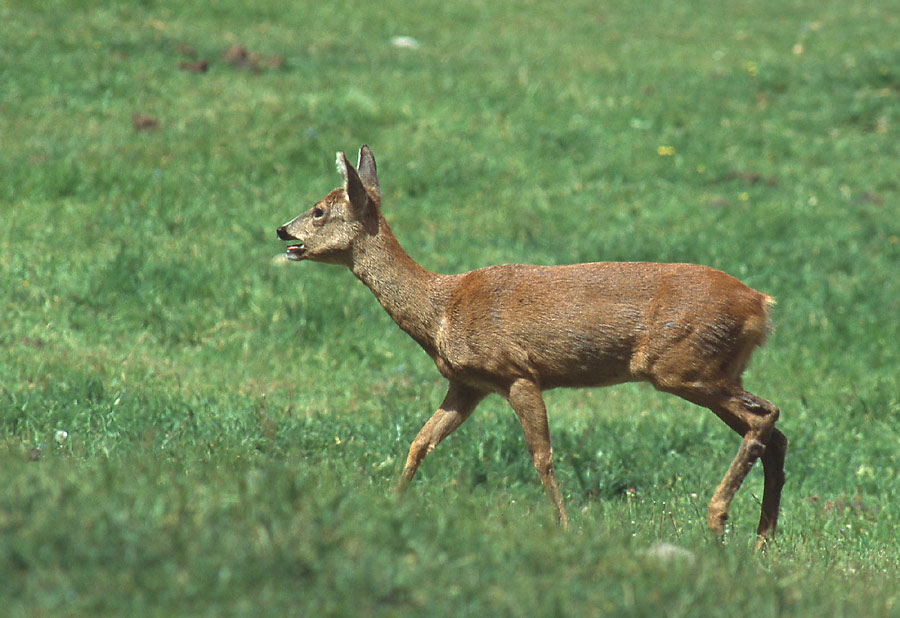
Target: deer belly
<point>580,360</point>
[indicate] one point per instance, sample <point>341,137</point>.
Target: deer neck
<point>409,293</point>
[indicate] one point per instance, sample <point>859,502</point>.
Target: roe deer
<point>517,330</point>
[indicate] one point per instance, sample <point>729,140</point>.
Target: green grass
<point>234,425</point>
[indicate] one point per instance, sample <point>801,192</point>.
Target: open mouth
<point>292,252</point>
<point>295,252</point>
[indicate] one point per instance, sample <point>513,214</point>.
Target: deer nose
<point>283,234</point>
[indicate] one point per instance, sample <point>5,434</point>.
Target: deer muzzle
<point>292,252</point>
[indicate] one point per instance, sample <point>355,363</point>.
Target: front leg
<point>526,400</point>
<point>455,409</point>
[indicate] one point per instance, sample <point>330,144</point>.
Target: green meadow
<point>191,426</point>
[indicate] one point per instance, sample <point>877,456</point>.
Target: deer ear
<point>368,173</point>
<point>353,186</point>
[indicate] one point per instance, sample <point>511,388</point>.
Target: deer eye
<point>318,213</point>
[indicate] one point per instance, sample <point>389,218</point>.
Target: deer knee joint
<point>759,407</point>
<point>756,449</point>
<point>543,461</point>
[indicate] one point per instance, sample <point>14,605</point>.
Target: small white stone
<point>404,42</point>
<point>667,552</point>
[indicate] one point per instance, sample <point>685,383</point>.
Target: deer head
<point>328,231</point>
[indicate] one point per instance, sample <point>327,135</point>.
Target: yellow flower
<point>665,151</point>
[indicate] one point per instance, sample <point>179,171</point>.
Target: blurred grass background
<point>189,426</point>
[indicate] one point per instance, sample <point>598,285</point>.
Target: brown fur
<point>517,330</point>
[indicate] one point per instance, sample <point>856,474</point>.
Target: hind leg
<point>773,468</point>
<point>754,419</point>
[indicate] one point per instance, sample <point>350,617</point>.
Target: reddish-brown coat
<point>517,330</point>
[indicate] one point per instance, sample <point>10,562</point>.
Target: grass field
<point>189,426</point>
